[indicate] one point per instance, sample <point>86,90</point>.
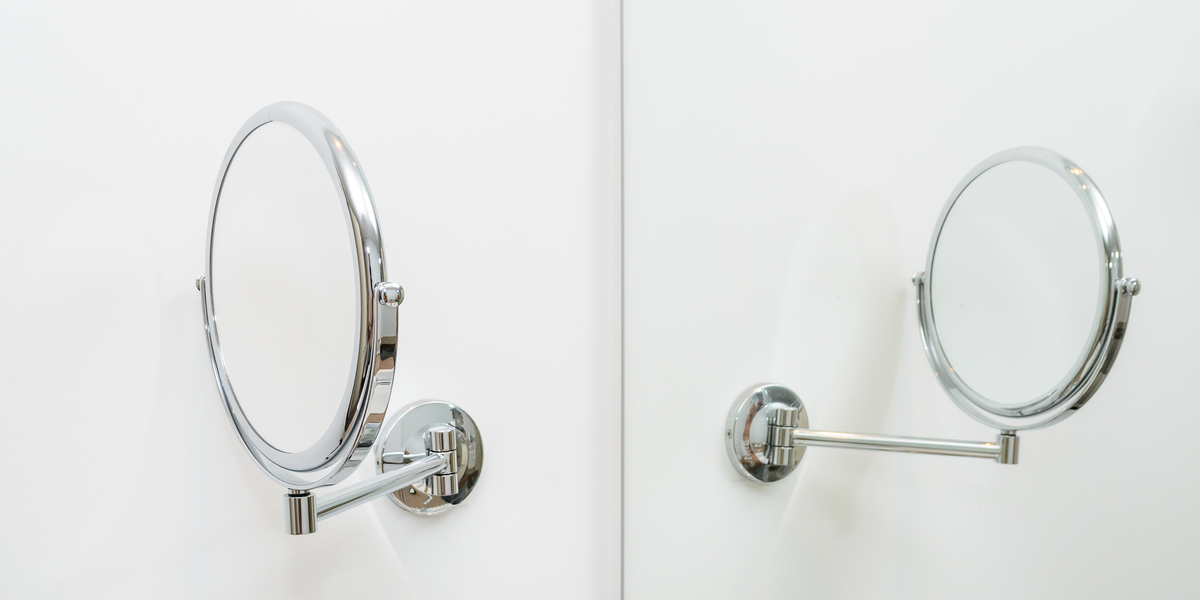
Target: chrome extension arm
<point>379,486</point>
<point>784,437</point>
<point>437,469</point>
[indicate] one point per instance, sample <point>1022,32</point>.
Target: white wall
<point>784,165</point>
<point>490,136</point>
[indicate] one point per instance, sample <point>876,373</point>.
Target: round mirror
<point>279,227</point>
<point>1023,304</point>
<point>302,348</point>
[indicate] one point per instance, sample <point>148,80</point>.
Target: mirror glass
<point>283,282</point>
<point>1017,282</point>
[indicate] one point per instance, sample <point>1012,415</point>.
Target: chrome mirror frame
<point>349,437</point>
<point>1094,363</point>
<point>438,449</point>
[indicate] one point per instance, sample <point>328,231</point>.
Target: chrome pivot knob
<point>442,440</point>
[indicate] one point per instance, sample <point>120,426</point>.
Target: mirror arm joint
<point>437,469</point>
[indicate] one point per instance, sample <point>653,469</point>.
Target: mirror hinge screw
<point>390,294</point>
<point>1130,286</point>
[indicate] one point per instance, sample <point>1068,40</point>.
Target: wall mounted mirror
<point>280,228</point>
<point>1023,300</point>
<point>797,177</point>
<point>302,332</point>
<point>1022,308</point>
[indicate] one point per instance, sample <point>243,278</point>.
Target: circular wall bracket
<point>746,431</point>
<point>403,440</point>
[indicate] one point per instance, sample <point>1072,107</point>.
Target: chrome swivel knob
<point>442,440</point>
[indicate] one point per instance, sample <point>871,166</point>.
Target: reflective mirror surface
<point>283,283</point>
<point>1018,283</point>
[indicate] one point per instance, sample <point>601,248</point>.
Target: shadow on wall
<point>840,333</point>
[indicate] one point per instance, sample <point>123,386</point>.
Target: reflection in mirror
<point>283,282</point>
<point>1017,282</point>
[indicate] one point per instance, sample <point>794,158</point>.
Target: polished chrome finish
<point>1010,446</point>
<point>302,512</point>
<point>442,485</point>
<point>441,463</point>
<point>748,431</point>
<point>415,432</point>
<point>1093,365</point>
<point>780,436</point>
<point>767,431</point>
<point>380,485</point>
<point>399,458</point>
<point>437,469</point>
<point>895,443</point>
<point>783,456</point>
<point>783,416</point>
<point>442,438</point>
<point>1130,286</point>
<point>451,457</point>
<point>390,294</point>
<point>355,426</point>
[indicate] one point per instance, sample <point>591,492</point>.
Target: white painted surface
<point>784,165</point>
<point>489,134</point>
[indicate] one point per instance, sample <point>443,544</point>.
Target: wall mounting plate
<point>403,441</point>
<point>746,431</point>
